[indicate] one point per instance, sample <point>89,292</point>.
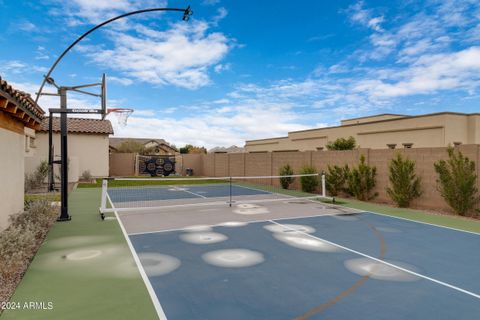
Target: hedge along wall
<point>269,163</point>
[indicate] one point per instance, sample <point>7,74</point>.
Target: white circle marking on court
<point>83,255</point>
<point>381,271</point>
<point>198,228</point>
<point>233,224</point>
<point>157,264</point>
<point>250,208</point>
<point>203,237</point>
<point>233,258</point>
<point>305,242</point>
<point>289,228</point>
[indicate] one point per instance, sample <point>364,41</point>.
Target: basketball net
<point>122,115</point>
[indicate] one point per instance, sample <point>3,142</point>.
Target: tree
<point>286,170</point>
<point>131,146</point>
<point>457,181</point>
<point>309,183</point>
<point>405,185</point>
<point>335,179</point>
<point>361,180</point>
<point>342,144</point>
<point>192,149</point>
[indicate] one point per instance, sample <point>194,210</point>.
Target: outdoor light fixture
<point>186,15</point>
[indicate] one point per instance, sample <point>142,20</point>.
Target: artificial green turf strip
<point>97,288</point>
<point>417,215</point>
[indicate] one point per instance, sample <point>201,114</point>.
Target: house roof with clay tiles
<point>80,125</point>
<point>19,105</point>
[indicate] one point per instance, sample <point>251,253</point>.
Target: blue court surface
<point>323,266</point>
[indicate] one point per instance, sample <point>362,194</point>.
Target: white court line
<point>220,224</point>
<point>384,262</point>
<point>153,295</point>
<point>196,194</point>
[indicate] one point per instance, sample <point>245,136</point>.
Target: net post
<point>103,203</point>
<point>324,191</point>
<point>230,193</point>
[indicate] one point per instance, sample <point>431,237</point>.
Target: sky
<point>244,70</point>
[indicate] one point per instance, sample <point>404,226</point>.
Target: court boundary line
<point>395,217</point>
<point>221,224</point>
<point>464,291</point>
<point>422,222</point>
<point>153,296</point>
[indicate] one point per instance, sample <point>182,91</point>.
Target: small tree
<point>86,176</point>
<point>335,179</point>
<point>192,149</point>
<point>310,183</point>
<point>286,170</point>
<point>457,181</point>
<point>35,180</point>
<point>342,144</point>
<point>405,184</point>
<point>361,180</point>
<point>131,146</point>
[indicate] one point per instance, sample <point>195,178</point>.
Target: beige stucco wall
<point>11,170</point>
<point>85,151</point>
<point>438,130</point>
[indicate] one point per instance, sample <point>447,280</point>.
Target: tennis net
<point>134,194</point>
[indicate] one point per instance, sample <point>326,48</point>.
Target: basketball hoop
<point>121,114</point>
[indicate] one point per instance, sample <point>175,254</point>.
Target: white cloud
<point>122,81</point>
<point>214,128</point>
<point>222,67</point>
<point>179,56</point>
<point>365,16</point>
<point>96,11</point>
<point>431,73</point>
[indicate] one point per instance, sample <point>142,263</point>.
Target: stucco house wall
<point>11,170</point>
<point>376,132</point>
<point>18,114</point>
<point>85,152</point>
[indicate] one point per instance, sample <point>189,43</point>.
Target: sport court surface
<point>294,259</point>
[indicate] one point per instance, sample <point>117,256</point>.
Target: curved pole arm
<point>186,13</point>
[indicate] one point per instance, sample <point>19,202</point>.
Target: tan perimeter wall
<point>85,152</point>
<point>12,174</point>
<point>122,164</point>
<point>268,163</point>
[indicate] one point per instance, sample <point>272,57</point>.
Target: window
<point>407,145</point>
<point>391,145</point>
<point>32,142</point>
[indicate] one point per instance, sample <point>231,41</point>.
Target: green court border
<point>83,295</point>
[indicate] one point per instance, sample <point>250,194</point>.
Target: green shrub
<point>20,241</point>
<point>342,144</point>
<point>335,179</point>
<point>405,184</point>
<point>457,181</point>
<point>310,183</point>
<point>35,179</point>
<point>86,176</point>
<point>361,180</point>
<point>286,170</point>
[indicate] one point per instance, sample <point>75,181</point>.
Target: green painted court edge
<point>83,294</point>
<point>455,222</point>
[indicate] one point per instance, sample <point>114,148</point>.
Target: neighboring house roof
<point>19,104</point>
<point>231,149</point>
<point>80,125</point>
<point>116,142</point>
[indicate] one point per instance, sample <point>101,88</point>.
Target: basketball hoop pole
<point>62,92</point>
